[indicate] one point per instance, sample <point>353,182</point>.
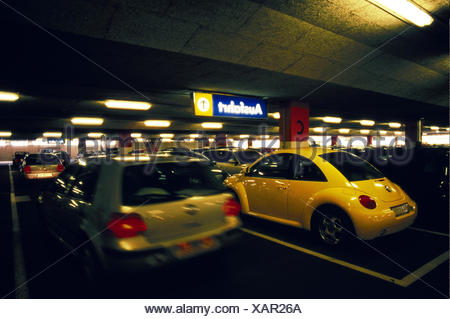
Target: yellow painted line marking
<point>429,231</point>
<point>326,257</point>
<point>425,269</point>
<point>20,276</point>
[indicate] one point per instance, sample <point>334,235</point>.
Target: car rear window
<point>247,156</point>
<point>155,183</point>
<point>352,167</point>
<point>219,156</point>
<point>42,159</point>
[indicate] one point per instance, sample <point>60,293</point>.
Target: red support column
<point>294,125</point>
<point>221,140</point>
<point>334,139</point>
<point>369,140</point>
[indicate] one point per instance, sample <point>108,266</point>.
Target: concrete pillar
<point>413,133</point>
<point>294,125</point>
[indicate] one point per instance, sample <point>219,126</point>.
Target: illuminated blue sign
<point>207,104</point>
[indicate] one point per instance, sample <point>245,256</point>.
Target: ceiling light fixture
<point>395,125</point>
<point>318,129</point>
<point>87,121</point>
<point>364,131</point>
<point>216,125</point>
<point>382,132</point>
<point>344,130</point>
<point>332,119</point>
<point>5,134</point>
<point>136,135</point>
<point>127,105</point>
<point>52,134</point>
<point>405,10</point>
<point>434,128</point>
<point>166,135</point>
<point>157,123</point>
<point>275,115</point>
<point>367,122</point>
<point>8,96</point>
<point>244,136</point>
<point>194,135</point>
<point>95,134</point>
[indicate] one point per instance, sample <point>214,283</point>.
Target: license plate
<point>186,249</point>
<point>45,175</point>
<point>401,209</point>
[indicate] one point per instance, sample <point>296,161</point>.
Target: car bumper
<point>136,261</point>
<point>38,176</point>
<point>370,225</point>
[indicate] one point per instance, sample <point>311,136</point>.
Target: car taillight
<point>126,225</point>
<point>231,208</point>
<point>27,169</point>
<point>60,167</point>
<point>367,202</point>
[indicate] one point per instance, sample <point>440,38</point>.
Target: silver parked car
<point>232,161</point>
<point>133,213</point>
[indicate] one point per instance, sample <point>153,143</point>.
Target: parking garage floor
<point>271,261</point>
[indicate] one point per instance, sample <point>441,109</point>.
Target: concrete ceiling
<point>341,56</point>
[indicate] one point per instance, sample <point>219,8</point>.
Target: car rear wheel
<point>333,227</point>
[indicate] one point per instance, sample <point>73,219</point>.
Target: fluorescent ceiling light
<point>167,135</point>
<point>365,131</point>
<point>5,134</point>
<point>95,134</point>
<point>244,136</point>
<point>136,135</point>
<point>395,125</point>
<point>398,133</point>
<point>434,128</point>
<point>265,136</point>
<point>318,129</point>
<point>211,140</point>
<point>166,140</point>
<point>331,119</point>
<point>127,105</point>
<point>212,125</point>
<point>8,96</point>
<point>194,135</point>
<point>406,10</point>
<point>382,132</point>
<point>87,121</point>
<point>52,134</point>
<point>344,130</point>
<point>157,123</point>
<point>275,115</point>
<point>367,122</point>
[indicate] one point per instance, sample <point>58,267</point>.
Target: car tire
<point>333,227</point>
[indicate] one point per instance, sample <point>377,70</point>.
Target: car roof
<point>142,159</point>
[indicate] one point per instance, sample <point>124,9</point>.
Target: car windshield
<point>247,156</point>
<point>352,167</point>
<point>153,183</point>
<point>220,156</point>
<point>42,159</point>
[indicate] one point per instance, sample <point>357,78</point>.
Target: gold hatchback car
<point>333,193</point>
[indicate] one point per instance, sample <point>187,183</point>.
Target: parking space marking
<point>20,276</point>
<point>429,231</point>
<point>404,282</point>
<point>326,257</point>
<point>425,269</point>
<point>23,198</point>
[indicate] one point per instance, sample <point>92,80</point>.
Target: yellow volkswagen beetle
<point>333,193</point>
